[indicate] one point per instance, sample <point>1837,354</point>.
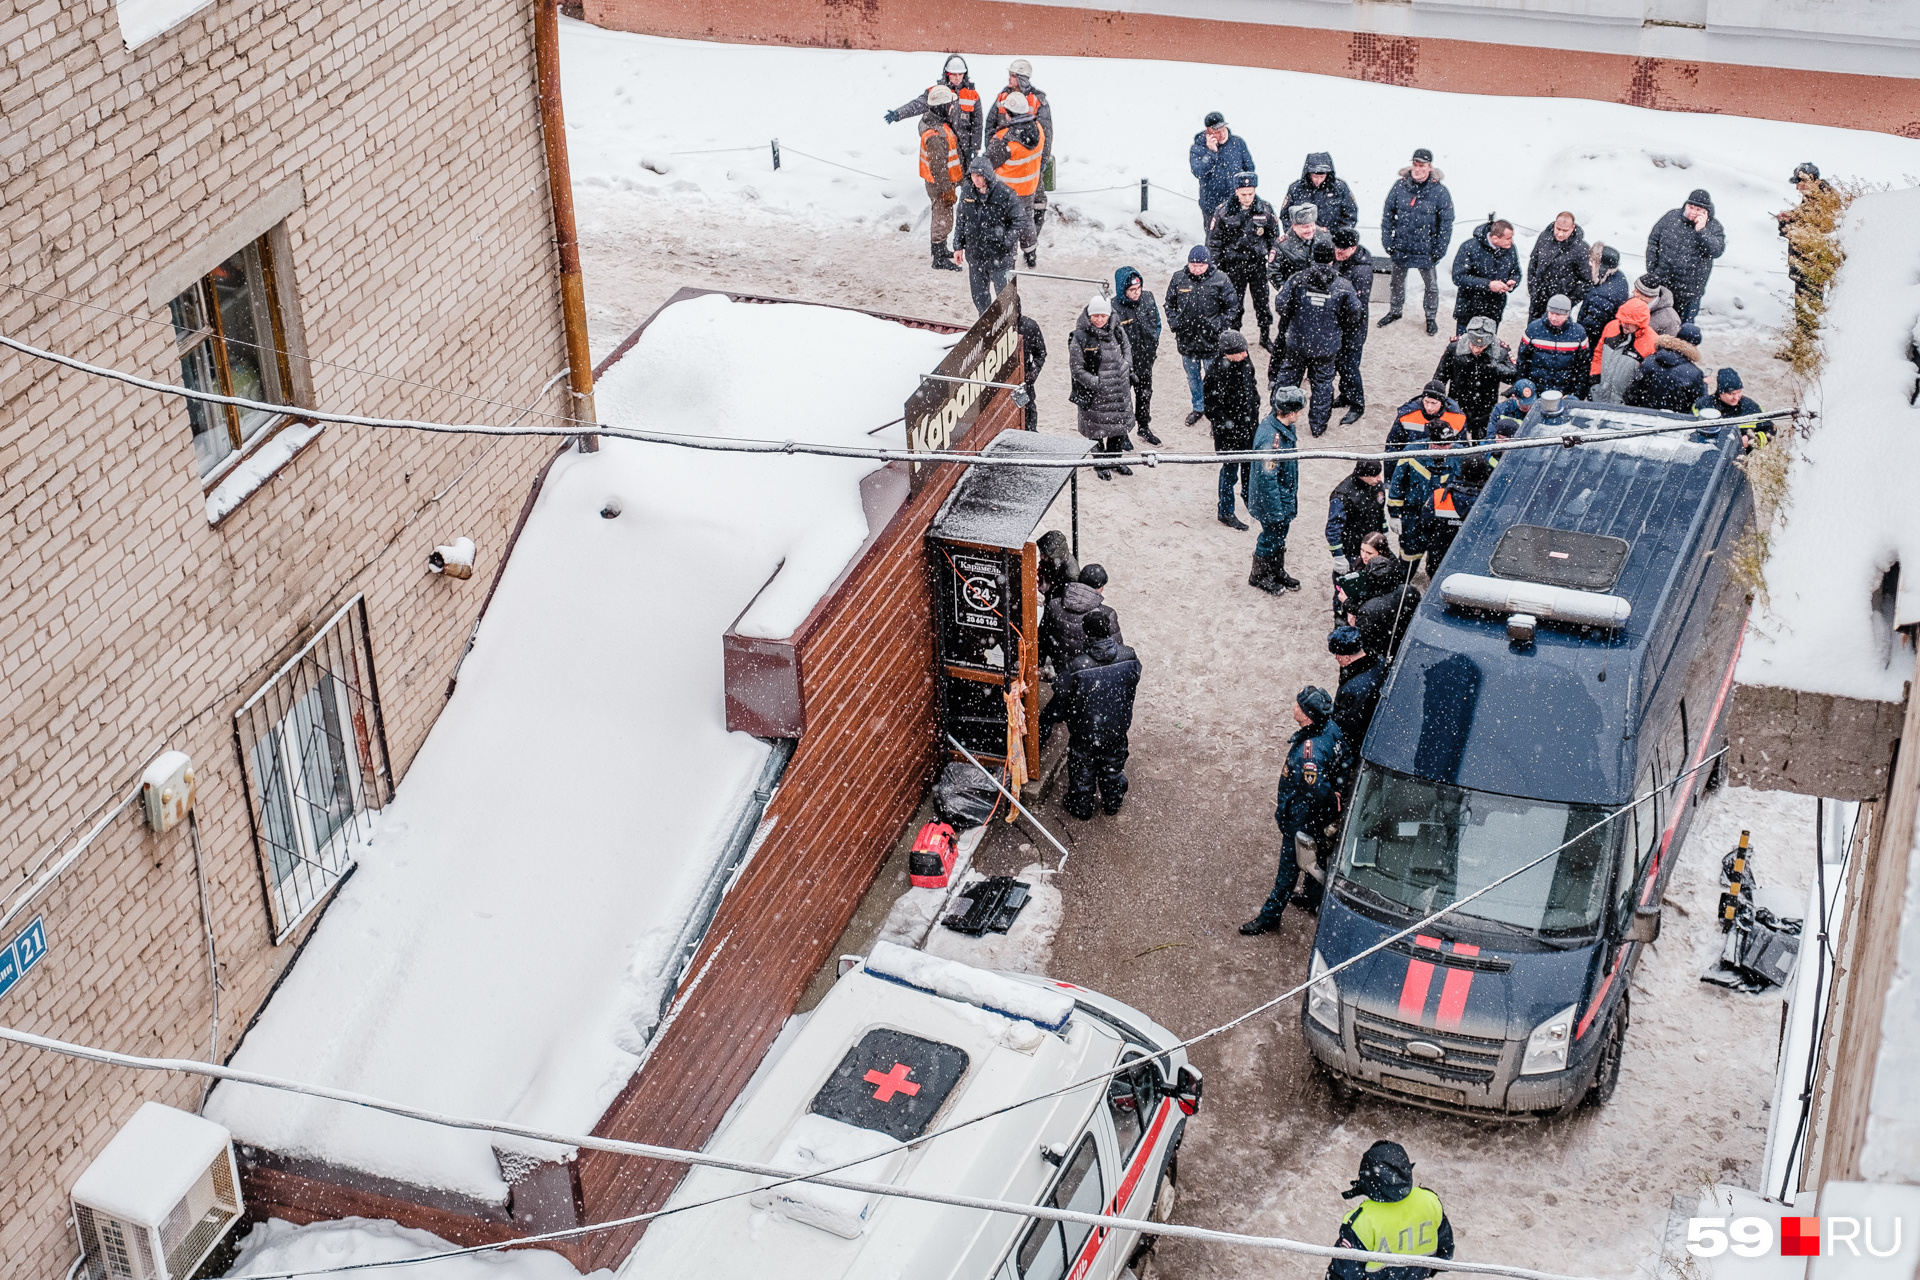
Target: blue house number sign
<point>24,953</point>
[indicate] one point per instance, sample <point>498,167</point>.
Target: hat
<point>1303,215</point>
<point>1728,380</point>
<point>1322,252</point>
<point>1314,701</point>
<point>1609,256</point>
<point>1232,340</point>
<point>1436,389</point>
<point>1698,196</point>
<point>1481,329</point>
<point>1646,286</point>
<point>1386,1174</point>
<point>1507,425</point>
<point>1094,576</point>
<point>1805,169</point>
<point>1099,306</point>
<point>1560,302</point>
<point>955,63</point>
<point>1423,156</point>
<point>1016,104</point>
<point>1246,178</point>
<point>1319,166</point>
<point>1098,624</point>
<point>1020,67</point>
<point>980,166</point>
<point>939,96</point>
<point>1214,120</point>
<point>1199,254</point>
<point>1346,238</point>
<point>1523,388</point>
<point>1287,399</point>
<point>1367,467</point>
<point>1689,333</point>
<point>1343,642</point>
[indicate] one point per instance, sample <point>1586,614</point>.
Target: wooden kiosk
<point>985,566</point>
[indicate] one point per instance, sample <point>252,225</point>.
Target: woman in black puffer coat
<point>1101,362</point>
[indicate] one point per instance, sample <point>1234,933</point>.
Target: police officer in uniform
<point>1309,799</point>
<point>1397,1217</point>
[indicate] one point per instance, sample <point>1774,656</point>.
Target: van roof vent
<point>1559,557</point>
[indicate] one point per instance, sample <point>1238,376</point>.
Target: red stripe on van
<point>1453,997</point>
<point>1413,992</point>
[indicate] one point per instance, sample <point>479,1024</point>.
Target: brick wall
<point>423,250</point>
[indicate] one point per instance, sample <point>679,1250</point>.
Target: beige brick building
<point>340,204</point>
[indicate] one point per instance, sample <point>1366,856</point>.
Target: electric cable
<point>674,1155</point>
<point>748,445</point>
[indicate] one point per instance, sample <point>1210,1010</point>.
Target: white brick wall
<point>423,250</point>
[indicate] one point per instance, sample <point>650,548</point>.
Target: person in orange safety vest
<point>1017,151</point>
<point>941,170</point>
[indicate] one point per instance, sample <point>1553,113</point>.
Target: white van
<point>906,1044</point>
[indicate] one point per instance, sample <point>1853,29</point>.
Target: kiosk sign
<point>978,594</point>
<point>941,412</point>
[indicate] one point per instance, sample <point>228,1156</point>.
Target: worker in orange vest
<point>941,170</point>
<point>1017,151</point>
<point>1020,81</point>
<point>965,115</point>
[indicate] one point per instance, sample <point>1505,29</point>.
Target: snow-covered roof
<point>1851,511</point>
<point>504,947</point>
<point>277,1246</point>
<point>799,1230</point>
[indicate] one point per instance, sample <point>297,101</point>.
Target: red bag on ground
<point>931,860</point>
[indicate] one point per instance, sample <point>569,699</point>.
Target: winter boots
<point>943,258</point>
<point>1031,257</point>
<point>1280,571</point>
<point>1270,574</point>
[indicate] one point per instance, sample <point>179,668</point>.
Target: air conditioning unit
<point>153,1204</point>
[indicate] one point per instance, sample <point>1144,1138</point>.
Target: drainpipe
<point>573,298</point>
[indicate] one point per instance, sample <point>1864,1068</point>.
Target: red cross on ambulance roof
<point>892,1082</point>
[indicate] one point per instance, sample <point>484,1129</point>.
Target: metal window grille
<point>314,752</point>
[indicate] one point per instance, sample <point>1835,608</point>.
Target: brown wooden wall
<point>867,666</point>
<point>1884,103</point>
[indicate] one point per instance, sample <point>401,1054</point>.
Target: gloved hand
<point>893,117</point>
<point>1393,524</point>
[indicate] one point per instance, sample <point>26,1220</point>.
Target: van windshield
<point>1422,845</point>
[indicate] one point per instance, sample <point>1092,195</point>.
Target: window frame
<point>268,294</point>
<point>1042,1228</point>
<point>299,865</point>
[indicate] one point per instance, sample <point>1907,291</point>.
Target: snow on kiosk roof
<point>504,947</point>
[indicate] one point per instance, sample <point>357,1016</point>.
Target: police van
<point>906,1044</point>
<point>1575,657</point>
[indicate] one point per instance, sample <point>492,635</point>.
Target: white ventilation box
<point>153,1204</point>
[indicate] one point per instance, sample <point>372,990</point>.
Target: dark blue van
<point>1573,657</point>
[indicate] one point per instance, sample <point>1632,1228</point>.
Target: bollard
<point>776,153</point>
<point>1143,195</point>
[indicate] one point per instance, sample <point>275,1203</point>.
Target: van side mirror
<point>1645,926</point>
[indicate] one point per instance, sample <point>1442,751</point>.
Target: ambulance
<point>1564,683</point>
<point>907,1045</point>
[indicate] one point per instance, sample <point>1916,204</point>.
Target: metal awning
<point>1000,506</point>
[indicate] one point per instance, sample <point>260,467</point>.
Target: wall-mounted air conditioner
<point>153,1204</point>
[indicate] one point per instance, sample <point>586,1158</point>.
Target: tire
<point>1606,1071</point>
<point>1717,775</point>
<point>1164,1195</point>
<point>1344,1096</point>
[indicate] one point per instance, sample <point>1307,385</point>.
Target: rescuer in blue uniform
<point>1310,782</point>
<point>1397,1217</point>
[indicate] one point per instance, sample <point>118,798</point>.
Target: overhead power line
<point>735,444</point>
<point>674,1155</point>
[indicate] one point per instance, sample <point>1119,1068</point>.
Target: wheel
<point>1606,1071</point>
<point>1717,774</point>
<point>1339,1089</point>
<point>1162,1211</point>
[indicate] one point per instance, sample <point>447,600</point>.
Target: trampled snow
<point>633,98</point>
<point>505,945</point>
<point>1850,514</point>
<point>276,1246</point>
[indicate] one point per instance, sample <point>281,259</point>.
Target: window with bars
<point>233,342</point>
<point>314,751</point>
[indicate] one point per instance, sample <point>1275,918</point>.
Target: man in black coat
<point>1233,411</point>
<point>1356,508</point>
<point>1681,249</point>
<point>1361,676</point>
<point>1242,235</point>
<point>987,232</point>
<point>1670,378</point>
<point>1416,226</point>
<point>1314,314</point>
<point>1473,367</point>
<point>1486,271</point>
<point>1302,238</point>
<point>1063,621</point>
<point>1559,264</point>
<point>1094,699</point>
<point>1320,187</point>
<point>1353,263</point>
<point>1033,355</point>
<point>1610,288</point>
<point>1201,305</point>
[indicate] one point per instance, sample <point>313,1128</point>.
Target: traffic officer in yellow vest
<point>1017,151</point>
<point>1397,1217</point>
<point>941,170</point>
<point>1020,81</point>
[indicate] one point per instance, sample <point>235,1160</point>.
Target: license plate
<point>1420,1088</point>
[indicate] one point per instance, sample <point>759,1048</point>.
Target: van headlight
<point>1323,998</point>
<point>1547,1046</point>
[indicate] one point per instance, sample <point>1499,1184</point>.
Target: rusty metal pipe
<point>566,239</point>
